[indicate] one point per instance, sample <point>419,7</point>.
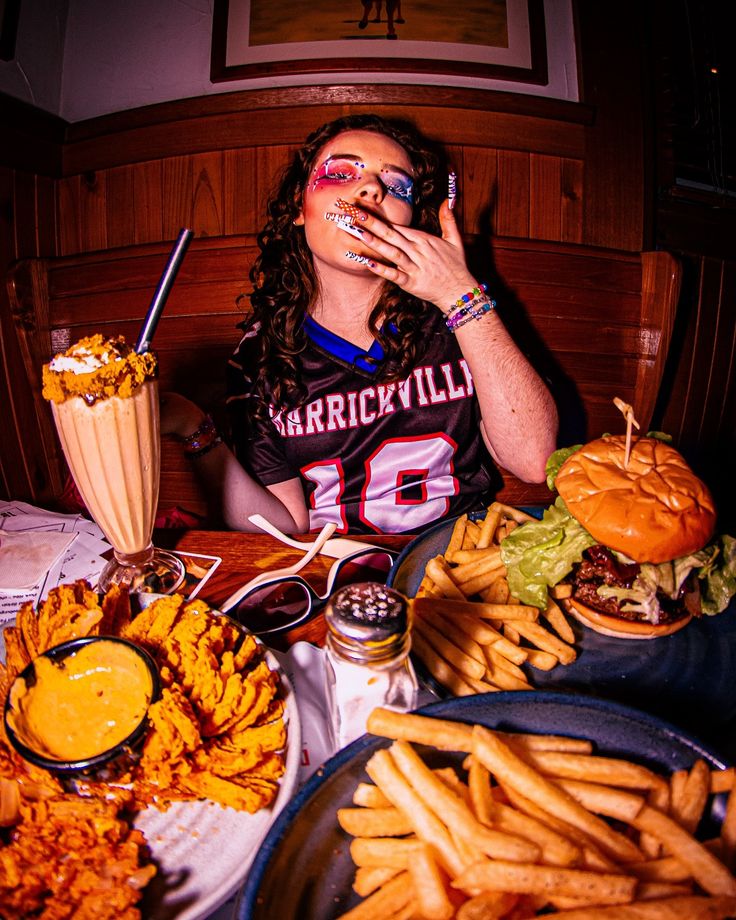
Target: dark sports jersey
<point>372,457</point>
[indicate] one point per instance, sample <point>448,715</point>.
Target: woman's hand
<point>179,416</point>
<point>430,267</point>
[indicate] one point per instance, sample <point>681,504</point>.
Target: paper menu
<point>83,556</point>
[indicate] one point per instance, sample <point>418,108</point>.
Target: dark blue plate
<point>686,678</point>
<point>303,868</point>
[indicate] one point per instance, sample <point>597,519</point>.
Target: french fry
<point>373,822</point>
<point>510,769</point>
<point>429,887</point>
<point>383,851</point>
<point>369,796</point>
<point>612,771</point>
<point>543,661</point>
<point>369,878</point>
<point>457,535</point>
<point>557,849</point>
<point>677,908</point>
<point>722,780</point>
<point>480,580</point>
<point>496,593</point>
<point>382,769</point>
<point>546,640</point>
<point>599,887</point>
<point>566,806</point>
<point>508,612</point>
<point>484,554</point>
<point>516,514</point>
<point>443,734</point>
<point>488,527</point>
<point>455,813</point>
<point>479,786</point>
<point>439,668</point>
<point>694,796</point>
<point>464,637</point>
<point>459,659</point>
<point>728,830</point>
<point>438,571</point>
<point>385,901</point>
<point>706,869</point>
<point>501,673</point>
<point>490,905</point>
<point>558,621</point>
<point>507,661</point>
<point>604,800</point>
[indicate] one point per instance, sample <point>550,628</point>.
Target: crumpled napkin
<point>26,556</point>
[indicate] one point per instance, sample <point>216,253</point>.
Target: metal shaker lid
<point>367,612</point>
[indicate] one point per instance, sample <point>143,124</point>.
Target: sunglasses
<point>270,604</point>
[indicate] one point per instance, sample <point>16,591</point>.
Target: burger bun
<point>652,508</point>
<point>620,628</point>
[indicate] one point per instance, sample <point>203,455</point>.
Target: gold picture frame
<point>483,39</point>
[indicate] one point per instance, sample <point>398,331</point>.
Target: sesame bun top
<point>655,509</point>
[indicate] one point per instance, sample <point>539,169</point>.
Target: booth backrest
<point>597,323</point>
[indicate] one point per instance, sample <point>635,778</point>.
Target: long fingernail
<point>451,190</point>
<point>346,223</point>
<point>351,209</point>
<point>361,260</point>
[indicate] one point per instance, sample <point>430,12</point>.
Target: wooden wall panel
<point>508,192</point>
<point>700,408</point>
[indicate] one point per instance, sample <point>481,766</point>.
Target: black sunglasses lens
<point>373,566</point>
<point>272,607</point>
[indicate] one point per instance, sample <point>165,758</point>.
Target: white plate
<point>203,850</point>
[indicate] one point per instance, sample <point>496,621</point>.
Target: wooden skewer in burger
<point>628,537</point>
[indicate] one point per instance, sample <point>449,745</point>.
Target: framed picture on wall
<point>490,39</point>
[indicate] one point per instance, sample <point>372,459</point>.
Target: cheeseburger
<point>631,538</point>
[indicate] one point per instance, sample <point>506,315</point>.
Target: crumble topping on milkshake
<point>96,368</point>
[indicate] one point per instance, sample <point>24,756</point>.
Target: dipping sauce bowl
<point>82,705</point>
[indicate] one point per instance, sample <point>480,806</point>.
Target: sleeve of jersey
<point>257,444</point>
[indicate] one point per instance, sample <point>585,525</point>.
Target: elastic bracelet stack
<point>203,440</point>
<point>470,306</point>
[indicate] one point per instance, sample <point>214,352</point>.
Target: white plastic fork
<point>312,548</point>
<point>336,548</point>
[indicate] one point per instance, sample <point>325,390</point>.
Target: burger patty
<point>600,567</point>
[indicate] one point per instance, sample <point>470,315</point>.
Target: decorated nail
<point>451,190</point>
<point>350,209</point>
<point>346,223</point>
<point>361,260</point>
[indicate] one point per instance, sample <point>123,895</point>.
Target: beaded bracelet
<point>203,439</point>
<point>486,307</point>
<point>471,295</point>
<point>456,314</point>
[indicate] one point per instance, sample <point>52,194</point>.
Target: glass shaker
<point>368,662</point>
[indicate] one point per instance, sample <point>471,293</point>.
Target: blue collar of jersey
<point>345,351</point>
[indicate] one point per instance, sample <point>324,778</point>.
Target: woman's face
<point>363,168</point>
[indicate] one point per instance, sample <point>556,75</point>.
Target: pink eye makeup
<point>344,168</point>
<point>335,170</point>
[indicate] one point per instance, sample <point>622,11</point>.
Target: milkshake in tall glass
<point>104,399</point>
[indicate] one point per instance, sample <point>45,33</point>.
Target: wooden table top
<point>245,555</point>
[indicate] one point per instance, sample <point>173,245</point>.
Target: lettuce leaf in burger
<point>630,535</point>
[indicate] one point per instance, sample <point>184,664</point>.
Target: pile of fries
<point>471,634</point>
<point>536,825</point>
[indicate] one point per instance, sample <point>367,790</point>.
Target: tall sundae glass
<point>104,399</point>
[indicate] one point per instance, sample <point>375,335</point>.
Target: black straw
<point>162,291</point>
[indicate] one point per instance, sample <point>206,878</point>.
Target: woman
<point>375,375</point>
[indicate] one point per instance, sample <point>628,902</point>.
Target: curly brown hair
<point>284,279</point>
